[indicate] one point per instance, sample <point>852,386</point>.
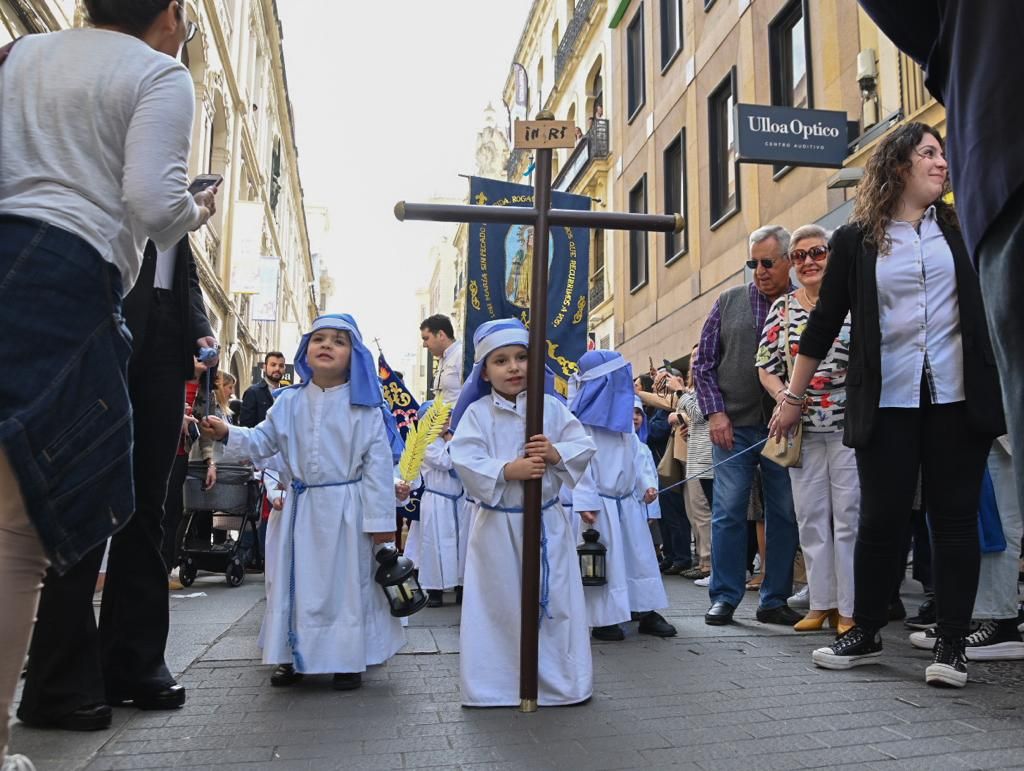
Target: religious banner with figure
<point>403,406</point>
<point>499,271</point>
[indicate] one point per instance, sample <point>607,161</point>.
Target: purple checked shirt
<point>705,372</point>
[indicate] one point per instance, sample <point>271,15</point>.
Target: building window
<point>671,30</point>
<point>635,79</point>
<point>674,160</point>
<point>638,238</point>
<point>790,61</point>
<point>725,190</point>
<point>597,293</point>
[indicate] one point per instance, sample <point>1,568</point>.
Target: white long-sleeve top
<point>95,132</point>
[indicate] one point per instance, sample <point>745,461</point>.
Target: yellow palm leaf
<point>420,437</point>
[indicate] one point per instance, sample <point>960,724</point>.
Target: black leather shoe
<point>284,676</point>
<point>654,624</point>
<point>435,598</point>
<point>783,615</point>
<point>345,681</point>
<point>612,633</point>
<point>719,614</point>
<point>95,717</point>
<point>170,697</point>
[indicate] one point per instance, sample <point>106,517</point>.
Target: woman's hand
<point>784,420</point>
<point>211,476</point>
<point>674,419</point>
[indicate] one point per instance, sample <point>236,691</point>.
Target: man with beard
<point>259,396</point>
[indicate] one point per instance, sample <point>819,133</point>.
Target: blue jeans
<point>729,523</point>
<point>675,528</point>
<point>65,417</point>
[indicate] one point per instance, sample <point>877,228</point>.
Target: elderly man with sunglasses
<point>730,395</point>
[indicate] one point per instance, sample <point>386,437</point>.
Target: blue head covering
<point>363,379</point>
<point>489,337</point>
<point>644,431</point>
<point>601,393</point>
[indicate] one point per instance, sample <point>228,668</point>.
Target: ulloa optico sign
<point>790,136</point>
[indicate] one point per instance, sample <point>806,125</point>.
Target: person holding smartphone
<point>94,147</point>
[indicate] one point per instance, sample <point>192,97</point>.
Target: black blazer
<point>256,400</point>
<point>850,286</point>
<point>187,291</point>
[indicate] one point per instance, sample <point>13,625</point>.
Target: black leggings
<point>938,440</point>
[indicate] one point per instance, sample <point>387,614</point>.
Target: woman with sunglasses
<point>94,148</point>
<point>922,390</point>
<point>826,493</point>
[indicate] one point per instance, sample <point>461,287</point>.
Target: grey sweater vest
<point>746,402</point>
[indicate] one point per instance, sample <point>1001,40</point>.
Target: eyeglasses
<point>816,253</point>
<point>191,28</point>
<point>765,263</point>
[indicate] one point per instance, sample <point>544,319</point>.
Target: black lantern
<point>592,558</point>
<point>397,577</point>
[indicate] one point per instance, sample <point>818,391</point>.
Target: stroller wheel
<point>235,573</point>
<point>187,572</point>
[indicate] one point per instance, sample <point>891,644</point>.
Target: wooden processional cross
<point>542,135</point>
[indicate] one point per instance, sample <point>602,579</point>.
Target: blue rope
<point>714,466</point>
<point>545,566</point>
<point>299,487</point>
<point>455,515</point>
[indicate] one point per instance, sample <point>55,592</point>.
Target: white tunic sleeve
<point>377,490</point>
<point>481,473</point>
<point>436,455</point>
<point>263,442</point>
<point>585,496</point>
<point>571,441</point>
<point>646,471</point>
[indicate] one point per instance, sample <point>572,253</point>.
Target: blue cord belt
<point>299,487</point>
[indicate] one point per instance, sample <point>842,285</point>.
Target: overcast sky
<point>388,98</point>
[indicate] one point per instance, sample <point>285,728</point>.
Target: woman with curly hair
<point>922,390</point>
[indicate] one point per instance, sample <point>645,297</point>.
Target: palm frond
<point>420,437</point>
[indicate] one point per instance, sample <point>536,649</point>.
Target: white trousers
<point>826,496</point>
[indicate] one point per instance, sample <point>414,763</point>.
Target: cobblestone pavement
<point>744,696</point>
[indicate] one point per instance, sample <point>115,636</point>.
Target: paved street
<point>744,696</point>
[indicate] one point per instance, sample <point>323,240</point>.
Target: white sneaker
<point>18,763</point>
<point>801,599</point>
<point>703,581</point>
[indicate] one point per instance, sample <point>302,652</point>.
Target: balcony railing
<point>597,289</point>
<point>594,146</point>
<point>573,36</point>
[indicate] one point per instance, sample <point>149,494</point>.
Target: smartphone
<point>204,181</point>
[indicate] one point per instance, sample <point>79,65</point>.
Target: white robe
<point>491,434</point>
<point>648,472</point>
<point>441,526</point>
<point>341,617</point>
<point>618,470</point>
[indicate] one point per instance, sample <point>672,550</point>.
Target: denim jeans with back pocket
<point>65,416</point>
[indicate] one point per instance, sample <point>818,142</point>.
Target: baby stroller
<point>237,500</point>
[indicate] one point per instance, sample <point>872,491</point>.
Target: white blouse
<point>919,314</point>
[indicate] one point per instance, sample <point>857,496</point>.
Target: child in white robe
<point>602,397</point>
<point>646,490</point>
<point>492,457</point>
<point>442,524</point>
<point>325,613</point>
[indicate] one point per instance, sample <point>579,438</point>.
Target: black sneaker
<point>924,640</point>
<point>435,598</point>
<point>949,664</point>
<point>610,633</point>
<point>995,641</point>
<point>925,618</point>
<point>853,649</point>
<point>347,681</point>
